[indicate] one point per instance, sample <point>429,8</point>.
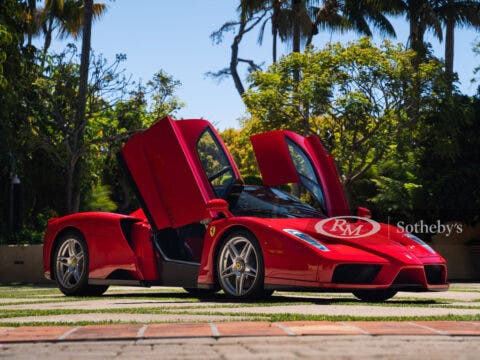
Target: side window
<point>306,173</point>
<point>215,163</point>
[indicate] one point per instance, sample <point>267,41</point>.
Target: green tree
<point>54,125</point>
<point>448,161</point>
<point>5,40</point>
<point>17,71</point>
<point>239,145</point>
<point>356,97</point>
<point>144,105</point>
<point>161,89</point>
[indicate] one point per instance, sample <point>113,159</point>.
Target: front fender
<point>284,257</point>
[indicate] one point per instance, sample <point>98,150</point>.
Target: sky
<point>175,36</point>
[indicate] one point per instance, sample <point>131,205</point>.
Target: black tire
<point>267,293</point>
<point>374,295</point>
<point>200,293</point>
<point>71,272</point>
<point>230,265</point>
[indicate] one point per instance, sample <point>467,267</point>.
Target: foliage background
<point>405,139</point>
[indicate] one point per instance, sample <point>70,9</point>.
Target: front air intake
<point>355,273</point>
<point>434,274</point>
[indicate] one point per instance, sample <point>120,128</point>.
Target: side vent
<point>126,225</point>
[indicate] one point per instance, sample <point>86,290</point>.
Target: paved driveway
<point>39,322</point>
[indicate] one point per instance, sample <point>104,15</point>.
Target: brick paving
<point>236,329</point>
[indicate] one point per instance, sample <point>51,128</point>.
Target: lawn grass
<point>200,310</point>
<point>222,304</point>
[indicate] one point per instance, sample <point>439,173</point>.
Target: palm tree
<point>65,16</point>
<point>299,20</point>
<point>352,14</point>
<point>73,191</point>
<point>454,13</point>
<point>422,15</point>
<point>290,20</point>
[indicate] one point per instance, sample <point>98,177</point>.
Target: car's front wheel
<point>71,267</point>
<point>240,267</point>
<point>374,295</point>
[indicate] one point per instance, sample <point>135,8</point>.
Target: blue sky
<point>174,36</point>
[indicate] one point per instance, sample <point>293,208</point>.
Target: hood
<point>386,241</point>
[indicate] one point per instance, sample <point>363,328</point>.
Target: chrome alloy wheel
<point>238,266</point>
<point>70,263</point>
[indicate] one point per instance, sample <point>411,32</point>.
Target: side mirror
<point>218,205</point>
<point>364,212</point>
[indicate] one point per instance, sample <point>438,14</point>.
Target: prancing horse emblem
<point>212,231</point>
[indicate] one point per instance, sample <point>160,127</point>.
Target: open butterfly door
<point>176,167</point>
<point>286,157</point>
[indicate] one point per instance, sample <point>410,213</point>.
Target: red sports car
<point>200,227</point>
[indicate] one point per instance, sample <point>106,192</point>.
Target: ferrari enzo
<point>201,228</point>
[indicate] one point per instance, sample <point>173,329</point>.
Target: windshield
<point>268,202</point>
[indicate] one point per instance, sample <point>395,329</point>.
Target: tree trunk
<point>314,27</point>
<point>296,6</point>
<point>234,58</point>
<point>274,44</point>
<point>274,19</point>
<point>48,29</point>
<point>127,200</point>
<point>80,121</point>
<point>413,37</point>
<point>48,36</point>
<point>32,7</point>
<point>449,44</point>
<point>69,189</point>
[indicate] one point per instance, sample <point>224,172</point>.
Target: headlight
<point>307,238</point>
<point>420,242</point>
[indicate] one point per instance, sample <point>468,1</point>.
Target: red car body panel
<point>271,149</point>
<point>174,190</point>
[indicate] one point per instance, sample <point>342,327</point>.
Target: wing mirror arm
<point>364,212</point>
<point>217,206</point>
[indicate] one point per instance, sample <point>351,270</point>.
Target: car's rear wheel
<point>374,295</point>
<point>71,267</point>
<point>240,267</point>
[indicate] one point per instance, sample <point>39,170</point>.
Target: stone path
<point>318,347</point>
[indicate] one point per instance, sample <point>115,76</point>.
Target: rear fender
<point>108,247</point>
